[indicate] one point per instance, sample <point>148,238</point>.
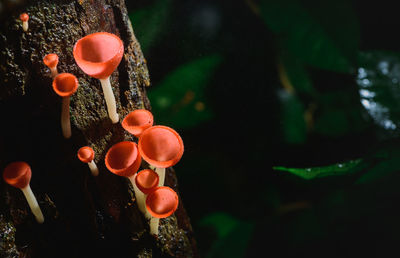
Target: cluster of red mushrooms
<point>98,55</point>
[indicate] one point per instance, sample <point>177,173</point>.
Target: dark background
<point>216,70</point>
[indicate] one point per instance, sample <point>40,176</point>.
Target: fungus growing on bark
<point>86,155</point>
<point>161,203</point>
<point>65,84</point>
<point>137,121</point>
<point>161,147</point>
<point>145,182</point>
<point>51,61</point>
<point>18,174</point>
<point>123,159</point>
<point>24,17</point>
<point>98,55</point>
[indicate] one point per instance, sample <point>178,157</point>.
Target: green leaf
<point>233,235</point>
<point>323,34</point>
<point>296,74</point>
<point>293,123</point>
<point>338,169</point>
<point>378,79</point>
<point>150,22</point>
<point>179,100</point>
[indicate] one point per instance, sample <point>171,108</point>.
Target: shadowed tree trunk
<point>84,215</point>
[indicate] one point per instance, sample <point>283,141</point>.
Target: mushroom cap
<point>24,17</point>
<point>65,84</point>
<point>161,146</point>
<point>51,60</point>
<point>137,121</point>
<point>162,202</point>
<point>86,154</point>
<point>17,174</point>
<point>123,159</point>
<point>99,54</point>
<point>147,180</point>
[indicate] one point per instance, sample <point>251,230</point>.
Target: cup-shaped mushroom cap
<point>161,146</point>
<point>24,17</point>
<point>123,159</point>
<point>98,54</point>
<point>51,60</point>
<point>137,121</point>
<point>162,202</point>
<point>65,84</point>
<point>86,154</point>
<point>17,174</point>
<point>146,180</point>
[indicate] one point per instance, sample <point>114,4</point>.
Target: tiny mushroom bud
<point>51,61</point>
<point>24,17</point>
<point>98,55</point>
<point>161,147</point>
<point>18,174</point>
<point>65,84</point>
<point>146,181</point>
<point>137,121</point>
<point>86,155</point>
<point>161,203</point>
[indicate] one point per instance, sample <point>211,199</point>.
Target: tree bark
<point>84,215</point>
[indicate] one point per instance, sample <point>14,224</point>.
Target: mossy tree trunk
<point>84,215</point>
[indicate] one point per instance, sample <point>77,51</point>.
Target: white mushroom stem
<point>110,100</point>
<point>33,204</point>
<point>93,168</point>
<point>65,119</point>
<point>140,198</point>
<point>154,223</point>
<point>25,25</point>
<point>54,71</point>
<point>161,175</point>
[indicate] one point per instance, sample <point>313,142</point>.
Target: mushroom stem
<point>154,223</point>
<point>161,174</point>
<point>140,198</point>
<point>33,204</point>
<point>110,100</point>
<point>65,118</point>
<point>54,72</point>
<point>93,168</point>
<point>25,25</point>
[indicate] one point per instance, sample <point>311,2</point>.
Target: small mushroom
<point>18,174</point>
<point>137,121</point>
<point>161,147</point>
<point>65,84</point>
<point>24,17</point>
<point>146,181</point>
<point>51,61</point>
<point>161,203</point>
<point>123,159</point>
<point>98,55</point>
<point>86,155</point>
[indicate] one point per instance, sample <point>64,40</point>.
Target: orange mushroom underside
<point>162,202</point>
<point>17,174</point>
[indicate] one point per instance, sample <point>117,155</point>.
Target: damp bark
<point>84,215</point>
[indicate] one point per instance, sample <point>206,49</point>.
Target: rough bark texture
<point>84,216</point>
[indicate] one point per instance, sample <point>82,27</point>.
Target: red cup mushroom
<point>18,174</point>
<point>161,147</point>
<point>137,121</point>
<point>86,155</point>
<point>161,203</point>
<point>123,159</point>
<point>145,181</point>
<point>24,17</point>
<point>51,61</point>
<point>65,84</point>
<point>98,55</point>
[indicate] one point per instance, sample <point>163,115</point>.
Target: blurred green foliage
<point>290,117</point>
